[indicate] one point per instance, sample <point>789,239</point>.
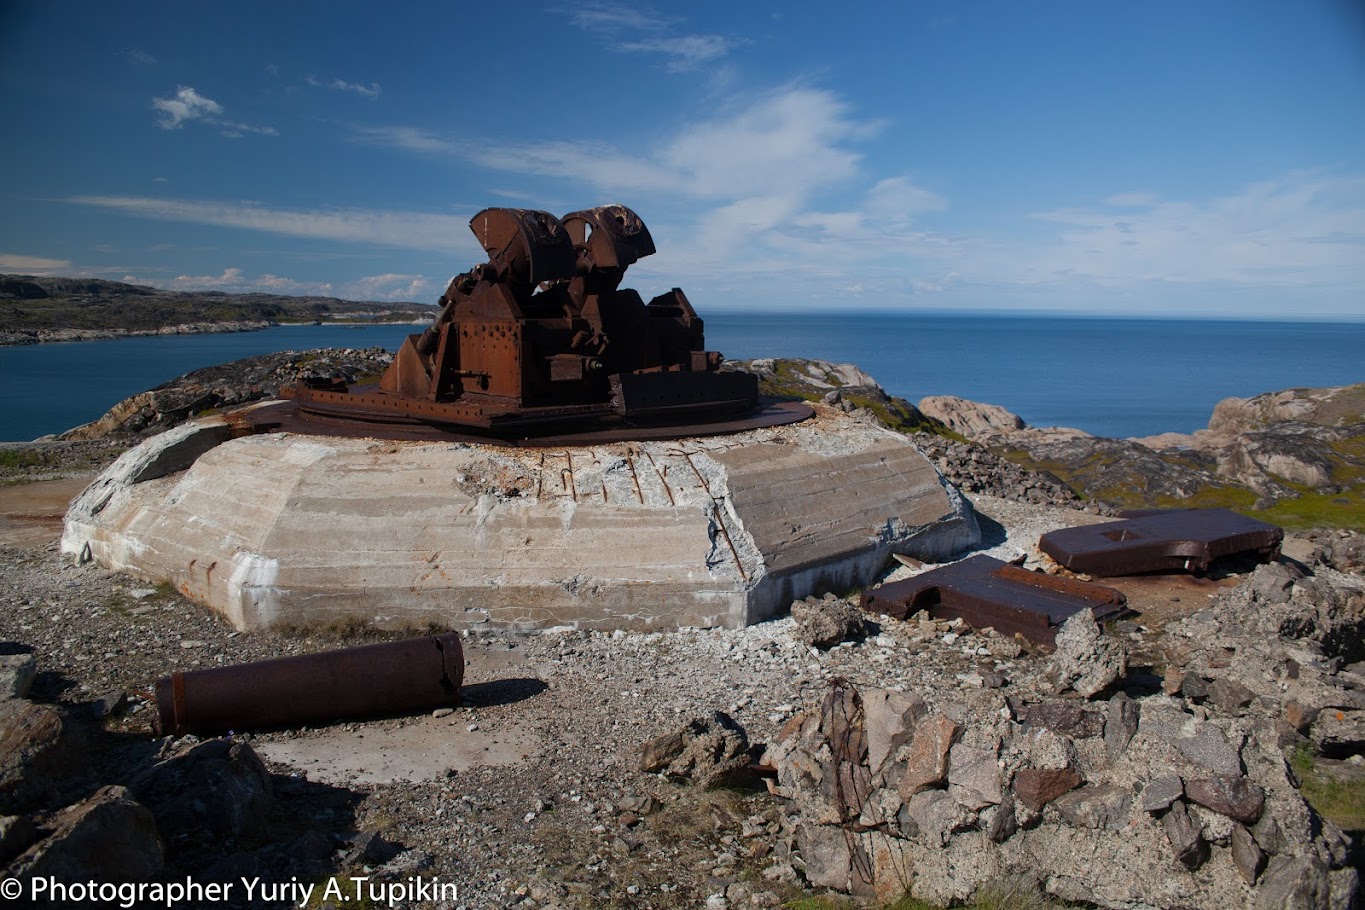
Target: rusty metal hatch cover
<point>1161,540</point>
<point>987,592</point>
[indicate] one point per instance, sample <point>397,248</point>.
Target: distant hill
<point>35,309</point>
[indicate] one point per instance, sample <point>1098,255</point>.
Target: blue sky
<point>1160,158</point>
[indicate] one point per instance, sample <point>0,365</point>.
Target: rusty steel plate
<point>290,417</point>
<point>987,592</point>
<point>1161,541</point>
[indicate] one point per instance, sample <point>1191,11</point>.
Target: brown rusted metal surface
<point>987,592</point>
<point>417,674</point>
<point>1161,541</point>
<point>542,340</point>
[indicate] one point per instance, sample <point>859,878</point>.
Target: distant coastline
<point>59,336</point>
<point>42,310</point>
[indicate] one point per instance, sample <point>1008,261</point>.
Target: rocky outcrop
<point>1258,451</point>
<point>972,419</point>
<point>228,385</point>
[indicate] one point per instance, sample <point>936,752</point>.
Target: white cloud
<point>1300,229</point>
<point>32,265</point>
<point>413,230</point>
<point>395,287</point>
<point>366,91</point>
<point>408,138</point>
<point>185,105</point>
<point>682,52</point>
<point>139,57</point>
<point>632,31</point>
<point>392,287</point>
<point>786,144</point>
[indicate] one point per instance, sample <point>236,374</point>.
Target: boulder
<point>711,751</point>
<point>824,622</point>
<point>1086,660</point>
<point>109,837</point>
<point>219,789</point>
<point>972,419</point>
<point>16,675</point>
<point>40,753</point>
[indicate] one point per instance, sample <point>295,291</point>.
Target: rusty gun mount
<point>541,338</point>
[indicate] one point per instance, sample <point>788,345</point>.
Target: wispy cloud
<point>414,230</point>
<point>681,52</point>
<point>635,31</point>
<point>138,57</point>
<point>33,265</point>
<point>235,280</point>
<point>1298,229</point>
<point>187,106</point>
<point>365,91</point>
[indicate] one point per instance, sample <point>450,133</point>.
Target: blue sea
<point>1110,377</point>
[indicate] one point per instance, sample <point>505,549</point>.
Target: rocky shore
<point>1160,761</point>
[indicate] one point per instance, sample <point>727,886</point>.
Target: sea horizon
<point>1110,375</point>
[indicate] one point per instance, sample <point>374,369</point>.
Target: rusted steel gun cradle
<point>542,337</point>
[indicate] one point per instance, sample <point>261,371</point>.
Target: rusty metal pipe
<point>417,674</point>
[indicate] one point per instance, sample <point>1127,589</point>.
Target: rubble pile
<point>886,791</point>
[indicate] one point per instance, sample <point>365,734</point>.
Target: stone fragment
<point>974,777</point>
<point>926,761</point>
<point>1095,806</point>
<point>40,752</point>
<point>824,623</point>
<point>937,815</point>
<point>999,822</point>
<point>1247,855</point>
<point>640,805</point>
<point>1209,748</point>
<point>831,858</point>
<point>1230,697</point>
<point>1036,787</point>
<point>109,703</point>
<point>219,788</point>
<point>711,751</point>
<point>1172,680</point>
<point>1235,797</point>
<point>1271,583</point>
<point>16,675</point>
<point>1293,883</point>
<point>1194,687</point>
<point>1187,840</point>
<point>1120,725</point>
<point>1069,718</point>
<point>1086,660</point>
<point>889,720</point>
<point>657,753</point>
<point>109,837</point>
<point>1160,792</point>
<point>1298,716</point>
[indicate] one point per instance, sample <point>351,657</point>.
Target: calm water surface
<point>1111,377</point>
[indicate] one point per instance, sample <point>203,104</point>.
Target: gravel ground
<point>544,805</point>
